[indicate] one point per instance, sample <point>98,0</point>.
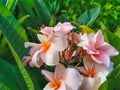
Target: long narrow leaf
<point>15,36</point>
<point>7,72</point>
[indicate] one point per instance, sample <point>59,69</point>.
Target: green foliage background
<point>20,21</point>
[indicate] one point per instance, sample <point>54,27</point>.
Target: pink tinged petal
<point>47,87</point>
<point>28,44</point>
<point>58,27</point>
<point>47,30</point>
<point>25,60</point>
<point>83,40</point>
<point>36,61</point>
<point>72,79</point>
<point>90,84</point>
<point>42,37</point>
<point>108,49</point>
<point>88,63</point>
<point>101,58</point>
<point>59,70</point>
<point>65,28</point>
<point>51,56</point>
<point>75,37</point>
<point>98,39</point>
<point>60,41</point>
<point>48,75</point>
<point>101,68</point>
<point>33,49</point>
<point>81,69</point>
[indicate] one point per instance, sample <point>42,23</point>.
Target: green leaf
<point>107,85</point>
<point>7,72</point>
<point>117,31</point>
<point>115,73</point>
<point>3,87</point>
<point>88,16</point>
<point>42,11</point>
<point>104,32</point>
<point>9,4</point>
<point>22,19</point>
<point>113,80</point>
<point>15,36</point>
<point>23,71</point>
<point>26,8</point>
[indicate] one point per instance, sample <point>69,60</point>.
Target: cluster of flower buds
<point>86,56</point>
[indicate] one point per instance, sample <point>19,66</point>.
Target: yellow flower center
<point>44,46</point>
<point>55,84</point>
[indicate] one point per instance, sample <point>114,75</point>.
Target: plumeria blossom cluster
<point>86,57</point>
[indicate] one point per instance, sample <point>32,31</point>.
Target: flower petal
<point>62,86</point>
<point>59,70</point>
<point>36,61</point>
<point>60,41</point>
<point>72,79</point>
<point>42,37</point>
<point>47,87</point>
<point>33,49</point>
<point>51,56</point>
<point>47,30</point>
<point>101,58</point>
<point>109,50</point>
<point>48,75</point>
<point>65,27</point>
<point>90,84</point>
<point>29,44</point>
<point>98,39</point>
<point>101,76</point>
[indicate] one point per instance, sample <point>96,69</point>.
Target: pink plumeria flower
<point>48,49</point>
<point>63,78</point>
<point>29,59</point>
<point>94,74</point>
<point>99,50</point>
<point>47,30</point>
<point>65,27</point>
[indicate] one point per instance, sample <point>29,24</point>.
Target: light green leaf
<point>107,85</point>
<point>3,87</point>
<point>88,16</point>
<point>9,4</point>
<point>117,31</point>
<point>22,19</point>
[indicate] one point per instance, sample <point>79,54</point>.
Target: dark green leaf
<point>7,72</point>
<point>42,11</point>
